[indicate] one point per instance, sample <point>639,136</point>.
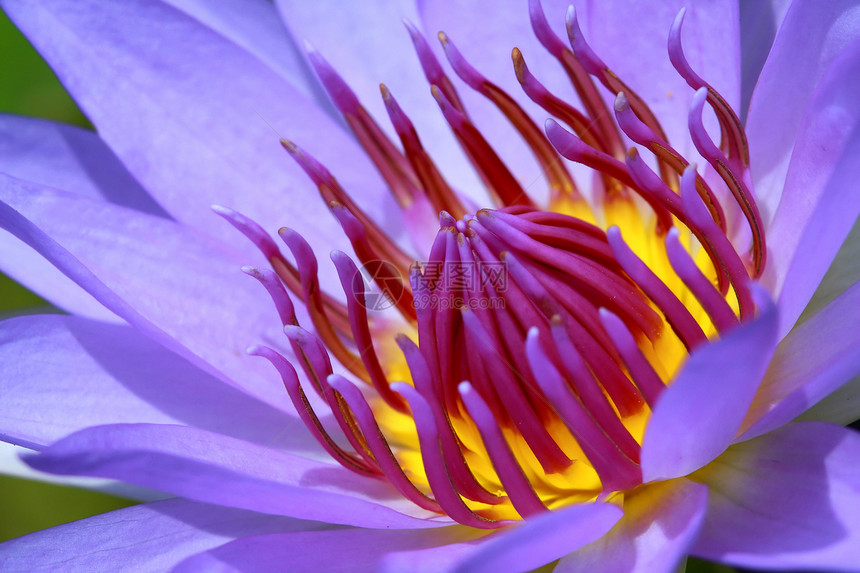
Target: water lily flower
<point>594,355</point>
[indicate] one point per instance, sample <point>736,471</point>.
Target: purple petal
<point>631,38</point>
<point>759,23</point>
<point>542,539</point>
<point>66,373</point>
<point>812,35</point>
<point>213,468</point>
<point>660,521</point>
<point>195,117</point>
<point>68,158</point>
<point>787,500</point>
<point>340,550</point>
<point>78,161</point>
<point>153,537</point>
<point>255,26</point>
<point>30,269</point>
<point>697,416</point>
<point>819,205</point>
<point>195,300</point>
<point>844,272</point>
<point>840,407</point>
<point>811,362</point>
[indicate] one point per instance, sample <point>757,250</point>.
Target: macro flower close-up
<point>444,285</point>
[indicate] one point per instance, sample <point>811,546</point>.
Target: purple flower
<point>604,358</point>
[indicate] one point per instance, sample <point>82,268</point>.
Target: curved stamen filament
<point>431,68</point>
<point>733,141</point>
<point>581,379</point>
<point>353,287</point>
<point>378,444</point>
<point>307,263</point>
<point>523,497</point>
<point>684,325</point>
<point>601,124</point>
<point>557,176</point>
<point>644,135</point>
<point>438,191</point>
<point>390,163</point>
<point>462,477</point>
<point>491,168</point>
<point>617,472</point>
<point>575,119</point>
<point>288,273</point>
<point>306,412</point>
<point>613,83</point>
<point>733,179</point>
<point>440,481</point>
<point>735,268</point>
<point>641,372</point>
<point>719,311</point>
<point>385,274</point>
<point>515,403</point>
<point>317,357</point>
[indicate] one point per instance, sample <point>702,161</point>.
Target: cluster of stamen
<point>532,367</point>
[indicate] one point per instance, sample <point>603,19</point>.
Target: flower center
<point>533,342</point>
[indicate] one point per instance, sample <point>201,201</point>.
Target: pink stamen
<point>378,243</point>
<point>432,70</point>
<point>557,176</point>
<point>438,191</point>
<point>492,169</point>
<point>573,148</point>
<point>641,372</point>
<point>462,477</point>
<point>353,286</point>
<point>569,239</point>
<point>575,119</point>
<point>734,140</point>
<point>285,270</point>
<point>678,317</point>
<point>306,413</point>
<point>601,122</point>
<point>523,497</point>
<point>385,156</point>
<point>698,214</point>
<point>252,231</point>
<point>616,471</point>
<point>623,393</point>
<point>378,444</point>
<point>386,275</point>
<point>582,381</point>
<point>734,180</point>
<point>597,283</point>
<point>440,481</point>
<point>307,265</point>
<point>666,155</point>
<point>318,359</point>
<point>273,285</point>
<point>648,182</point>
<point>514,400</point>
<point>610,81</point>
<point>710,298</point>
<point>314,353</point>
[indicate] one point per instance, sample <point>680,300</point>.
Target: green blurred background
<point>29,87</point>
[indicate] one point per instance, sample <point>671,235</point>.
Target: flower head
<point>593,361</point>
